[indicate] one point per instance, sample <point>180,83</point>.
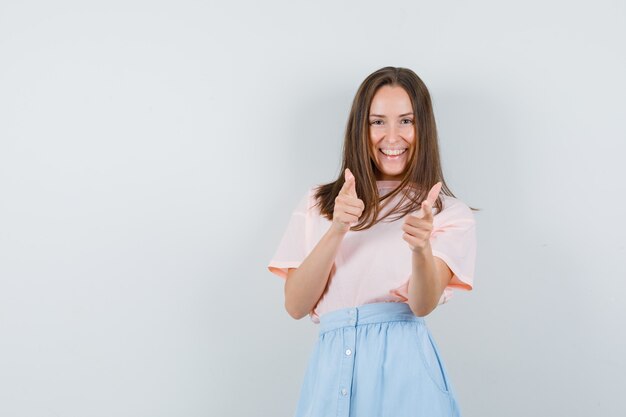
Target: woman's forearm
<point>304,286</point>
<point>424,286</point>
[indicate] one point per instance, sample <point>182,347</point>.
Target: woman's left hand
<point>417,229</point>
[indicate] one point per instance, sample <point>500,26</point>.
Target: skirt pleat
<point>375,360</point>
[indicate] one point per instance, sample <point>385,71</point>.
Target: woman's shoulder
<point>307,202</point>
<point>455,207</point>
<point>450,201</point>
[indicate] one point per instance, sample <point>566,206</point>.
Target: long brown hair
<point>424,169</point>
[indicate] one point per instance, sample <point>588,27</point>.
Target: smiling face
<point>392,131</point>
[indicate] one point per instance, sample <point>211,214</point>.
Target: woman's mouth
<point>392,154</point>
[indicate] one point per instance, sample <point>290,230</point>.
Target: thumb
<point>425,210</point>
<point>434,193</point>
<point>351,182</point>
<point>430,201</point>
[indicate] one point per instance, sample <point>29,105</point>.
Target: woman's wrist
<point>338,229</point>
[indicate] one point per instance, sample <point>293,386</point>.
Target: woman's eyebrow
<point>383,116</point>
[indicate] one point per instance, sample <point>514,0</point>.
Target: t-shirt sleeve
<point>294,245</point>
<point>453,240</point>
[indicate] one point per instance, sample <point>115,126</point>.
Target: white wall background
<point>152,151</point>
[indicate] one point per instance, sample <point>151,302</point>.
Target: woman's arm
<point>429,278</point>
<point>429,275</point>
<point>304,285</point>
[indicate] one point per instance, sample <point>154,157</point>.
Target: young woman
<point>368,255</point>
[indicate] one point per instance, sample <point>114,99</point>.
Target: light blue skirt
<point>375,360</point>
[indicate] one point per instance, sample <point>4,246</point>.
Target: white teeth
<point>391,152</point>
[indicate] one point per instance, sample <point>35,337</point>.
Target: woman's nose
<point>393,133</point>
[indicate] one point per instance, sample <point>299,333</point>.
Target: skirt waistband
<point>366,314</point>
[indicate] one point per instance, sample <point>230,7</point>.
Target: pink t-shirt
<point>375,265</point>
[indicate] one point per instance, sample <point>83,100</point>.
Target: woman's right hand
<point>348,206</point>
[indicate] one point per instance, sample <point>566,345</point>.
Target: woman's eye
<point>410,121</point>
<point>375,122</point>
